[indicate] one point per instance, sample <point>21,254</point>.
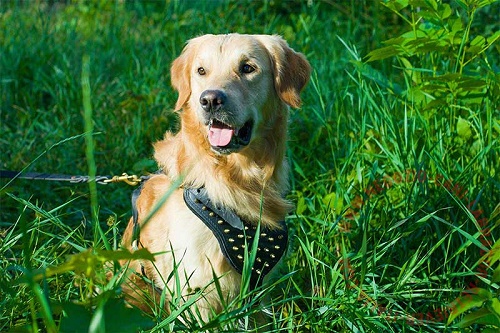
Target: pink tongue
<point>220,135</point>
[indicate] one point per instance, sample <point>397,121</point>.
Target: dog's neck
<point>251,182</point>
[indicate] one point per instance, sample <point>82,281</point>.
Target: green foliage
<point>88,263</point>
<point>440,57</point>
<point>110,315</point>
<point>445,67</point>
<point>394,163</point>
<point>483,303</point>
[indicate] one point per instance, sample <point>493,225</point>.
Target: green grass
<point>394,156</point>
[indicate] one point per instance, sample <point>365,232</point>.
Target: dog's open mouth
<point>226,139</point>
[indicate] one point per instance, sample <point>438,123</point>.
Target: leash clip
<point>131,180</point>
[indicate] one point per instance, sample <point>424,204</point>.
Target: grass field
<point>395,160</point>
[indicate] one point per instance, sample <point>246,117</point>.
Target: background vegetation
<point>395,156</point>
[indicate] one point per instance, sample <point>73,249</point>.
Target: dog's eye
<point>246,69</point>
<point>201,71</point>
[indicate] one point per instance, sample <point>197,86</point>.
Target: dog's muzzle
<point>224,137</point>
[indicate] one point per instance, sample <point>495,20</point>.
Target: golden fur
<point>242,180</point>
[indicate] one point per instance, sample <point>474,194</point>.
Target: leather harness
<point>235,236</point>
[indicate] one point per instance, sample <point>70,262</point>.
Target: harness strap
<point>135,218</point>
<point>236,236</point>
<point>136,226</point>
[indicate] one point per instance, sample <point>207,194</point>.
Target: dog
<point>223,176</point>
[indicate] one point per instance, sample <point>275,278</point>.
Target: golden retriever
<point>234,94</point>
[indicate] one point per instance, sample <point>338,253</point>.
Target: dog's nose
<point>212,100</point>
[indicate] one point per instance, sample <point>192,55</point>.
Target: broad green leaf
<point>494,306</point>
<point>88,262</point>
<point>398,41</point>
<point>494,254</point>
<point>301,205</point>
<point>433,3</point>
<point>121,318</point>
<point>76,318</point>
<point>422,36</point>
<point>464,128</point>
<point>493,38</point>
<point>482,316</point>
<point>416,95</point>
<point>396,5</point>
<point>484,3</point>
<point>428,46</point>
<point>116,317</point>
<point>478,41</point>
<point>435,104</point>
<point>457,27</point>
<point>434,88</point>
<point>406,63</point>
<point>489,330</point>
<point>475,297</point>
<point>383,53</point>
<point>333,203</point>
<point>476,46</point>
<point>446,11</point>
<point>471,84</point>
<point>450,77</point>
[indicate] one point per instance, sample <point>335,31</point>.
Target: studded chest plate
<point>236,236</point>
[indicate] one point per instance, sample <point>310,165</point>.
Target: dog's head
<point>233,83</point>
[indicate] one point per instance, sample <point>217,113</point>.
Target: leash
<point>131,180</point>
<point>233,234</point>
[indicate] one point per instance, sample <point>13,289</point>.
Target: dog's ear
<point>291,70</point>
<point>179,75</point>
